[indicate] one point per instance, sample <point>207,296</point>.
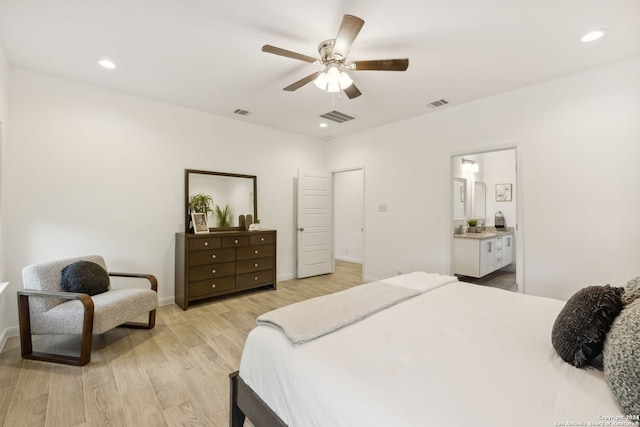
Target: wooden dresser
<point>223,262</point>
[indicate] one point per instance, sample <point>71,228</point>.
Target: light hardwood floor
<point>173,375</point>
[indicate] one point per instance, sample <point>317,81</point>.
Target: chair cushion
<point>111,308</point>
<point>85,277</point>
<point>581,327</point>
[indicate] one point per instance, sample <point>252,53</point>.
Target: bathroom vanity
<point>478,254</point>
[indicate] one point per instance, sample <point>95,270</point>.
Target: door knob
<point>301,228</point>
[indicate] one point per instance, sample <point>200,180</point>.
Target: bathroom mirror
<point>237,191</point>
<point>459,197</point>
<point>478,210</point>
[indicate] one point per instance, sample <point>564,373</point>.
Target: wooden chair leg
<point>26,342</point>
<point>138,325</point>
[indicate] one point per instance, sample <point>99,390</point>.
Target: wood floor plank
<point>175,374</point>
<point>59,412</point>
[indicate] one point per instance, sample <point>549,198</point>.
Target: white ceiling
<point>206,54</point>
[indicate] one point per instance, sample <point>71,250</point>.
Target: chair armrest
<point>150,277</point>
<point>85,299</point>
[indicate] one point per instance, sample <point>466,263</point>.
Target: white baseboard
<point>348,259</point>
<point>283,277</point>
<point>9,332</point>
<point>166,301</point>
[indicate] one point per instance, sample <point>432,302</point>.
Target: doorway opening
<point>348,221</point>
<point>486,245</point>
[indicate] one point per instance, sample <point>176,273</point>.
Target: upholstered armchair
<point>46,308</point>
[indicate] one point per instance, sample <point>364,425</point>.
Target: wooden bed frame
<point>245,403</point>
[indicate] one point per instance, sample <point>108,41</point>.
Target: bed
<point>450,354</point>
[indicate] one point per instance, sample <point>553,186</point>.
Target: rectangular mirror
<point>459,197</point>
<point>238,192</point>
<point>478,210</point>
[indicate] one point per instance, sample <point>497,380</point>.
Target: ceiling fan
<point>333,54</point>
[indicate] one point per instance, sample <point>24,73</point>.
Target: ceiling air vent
<point>438,103</point>
<point>242,112</point>
<point>337,116</point>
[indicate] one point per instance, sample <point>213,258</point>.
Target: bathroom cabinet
<point>477,256</point>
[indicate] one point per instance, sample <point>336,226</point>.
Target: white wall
<point>349,215</point>
<point>8,298</point>
<point>90,170</point>
<point>499,168</point>
<point>578,140</point>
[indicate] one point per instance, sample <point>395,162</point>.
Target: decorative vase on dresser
<point>223,262</point>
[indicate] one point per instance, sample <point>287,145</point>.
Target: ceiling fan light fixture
<point>333,87</point>
<point>345,80</point>
<point>321,81</point>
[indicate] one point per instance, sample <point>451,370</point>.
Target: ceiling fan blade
<point>289,54</point>
<point>382,65</point>
<point>302,82</point>
<point>352,91</point>
<point>347,33</point>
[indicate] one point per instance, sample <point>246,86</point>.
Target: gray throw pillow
<point>85,277</point>
<point>581,327</point>
<point>621,359</point>
<point>631,291</point>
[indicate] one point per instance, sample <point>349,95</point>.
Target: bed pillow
<point>85,277</point>
<point>580,329</point>
<point>631,291</point>
<point>621,359</point>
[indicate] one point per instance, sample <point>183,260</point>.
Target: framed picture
<point>503,192</point>
<point>199,222</point>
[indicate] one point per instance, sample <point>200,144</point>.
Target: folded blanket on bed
<point>304,321</point>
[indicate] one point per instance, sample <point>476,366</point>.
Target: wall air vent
<point>438,103</point>
<point>337,116</point>
<point>243,112</point>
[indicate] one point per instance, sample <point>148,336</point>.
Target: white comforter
<point>457,355</point>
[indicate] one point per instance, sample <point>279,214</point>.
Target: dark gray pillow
<point>581,327</point>
<point>621,359</point>
<point>631,291</point>
<point>85,277</point>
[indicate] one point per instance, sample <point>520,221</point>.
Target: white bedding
<point>457,355</point>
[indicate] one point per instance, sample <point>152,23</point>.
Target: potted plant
<point>223,215</point>
<point>472,225</point>
<point>200,203</point>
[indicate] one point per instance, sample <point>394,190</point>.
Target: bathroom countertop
<point>485,234</point>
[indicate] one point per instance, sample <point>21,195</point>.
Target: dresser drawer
<point>212,271</point>
<point>256,264</point>
<point>235,241</point>
<point>212,256</point>
<point>254,252</point>
<point>261,239</point>
<point>212,286</point>
<point>254,279</point>
<point>204,243</point>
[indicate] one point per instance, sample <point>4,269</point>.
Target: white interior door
<point>315,246</point>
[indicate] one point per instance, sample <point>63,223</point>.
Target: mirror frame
<point>235,175</point>
<point>483,217</point>
<point>463,182</point>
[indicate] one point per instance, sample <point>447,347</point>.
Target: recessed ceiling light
<point>107,63</point>
<point>593,35</point>
<point>323,125</point>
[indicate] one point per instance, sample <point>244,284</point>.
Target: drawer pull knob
<point>236,241</point>
<point>262,239</point>
<point>206,243</point>
<point>213,286</point>
<point>213,271</point>
<point>213,256</point>
<point>255,265</point>
<point>255,278</point>
<point>255,252</point>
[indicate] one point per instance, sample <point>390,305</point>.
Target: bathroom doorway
<point>348,220</point>
<point>486,243</point>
